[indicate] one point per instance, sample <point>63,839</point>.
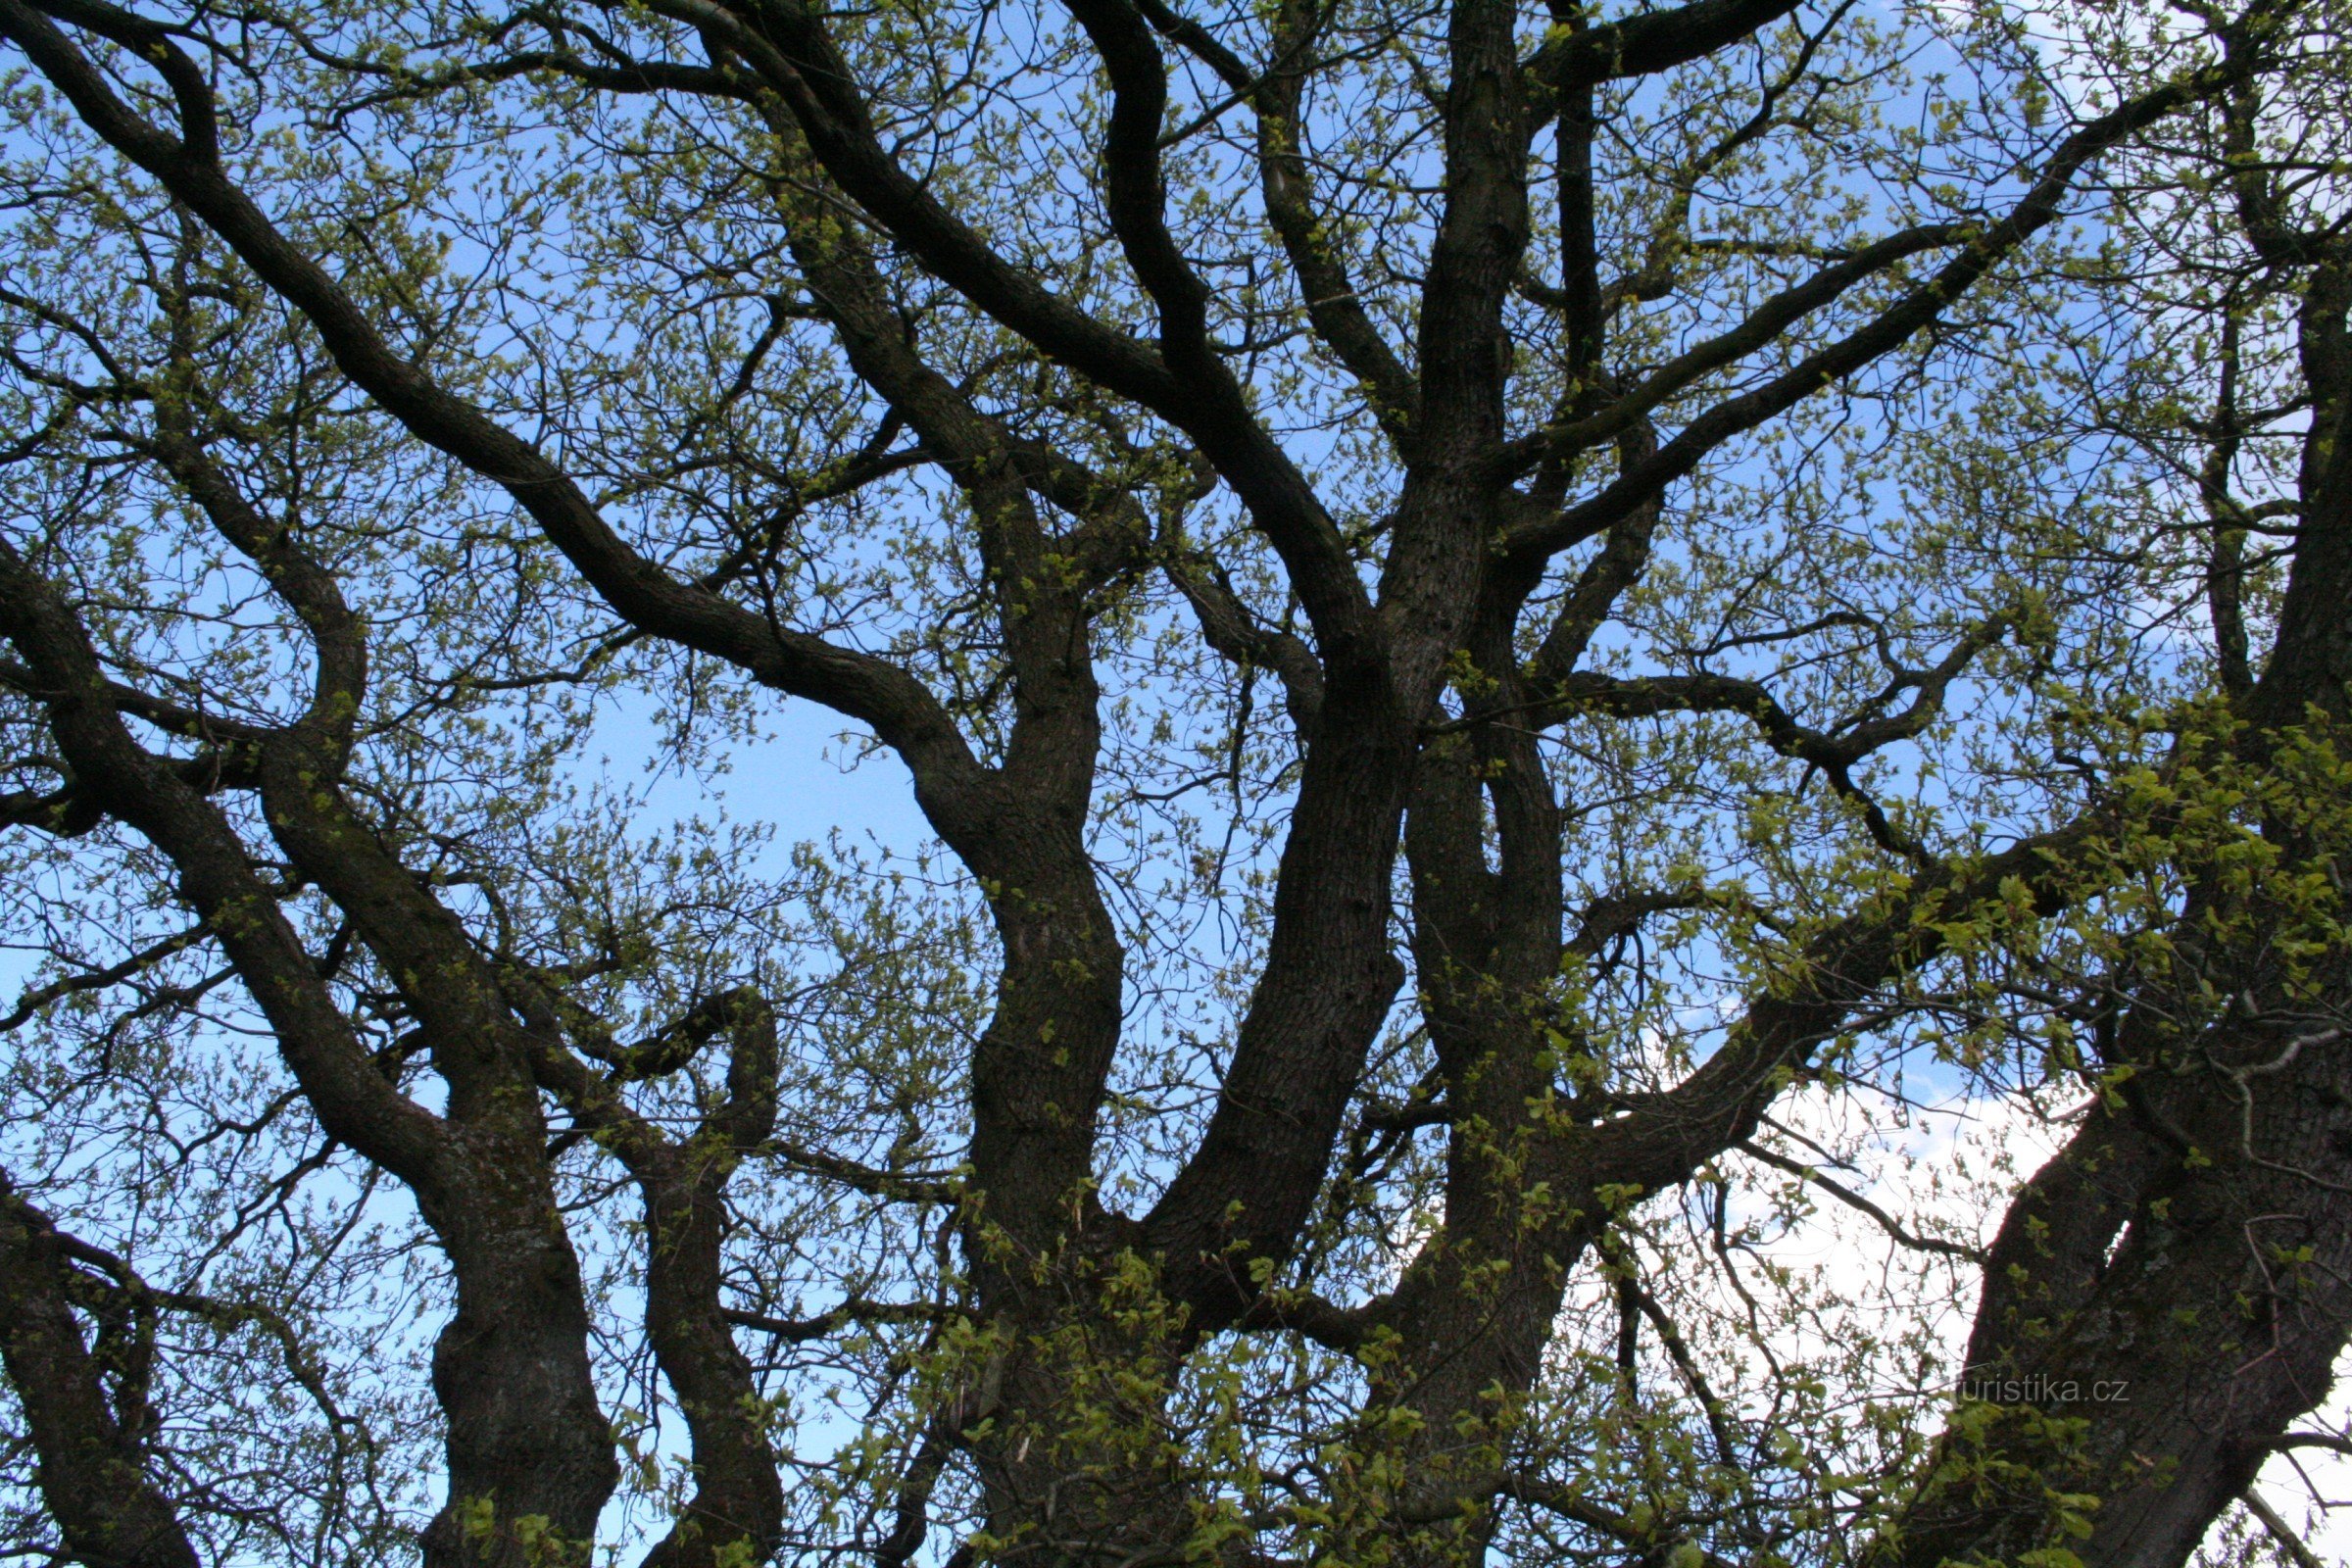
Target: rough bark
<point>91,1470</point>
<point>2234,1236</point>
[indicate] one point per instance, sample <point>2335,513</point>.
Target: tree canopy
<point>1625,740</point>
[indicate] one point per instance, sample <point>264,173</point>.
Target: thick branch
<point>1652,41</point>
<point>1332,308</point>
<point>1765,326</point>
<point>793,53</point>
<point>353,1100</point>
<point>90,1470</point>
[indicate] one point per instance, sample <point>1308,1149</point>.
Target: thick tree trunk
<point>530,1452</point>
<point>2147,1375</point>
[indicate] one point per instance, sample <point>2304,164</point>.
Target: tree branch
<point>1884,332</point>
<point>867,688</point>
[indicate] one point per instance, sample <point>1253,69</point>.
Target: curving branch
<point>1229,626</point>
<point>91,1467</point>
<point>788,47</point>
<point>737,1511</point>
<point>864,687</point>
<point>354,1103</point>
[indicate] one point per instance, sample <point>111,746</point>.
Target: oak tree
<point>1527,639</point>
